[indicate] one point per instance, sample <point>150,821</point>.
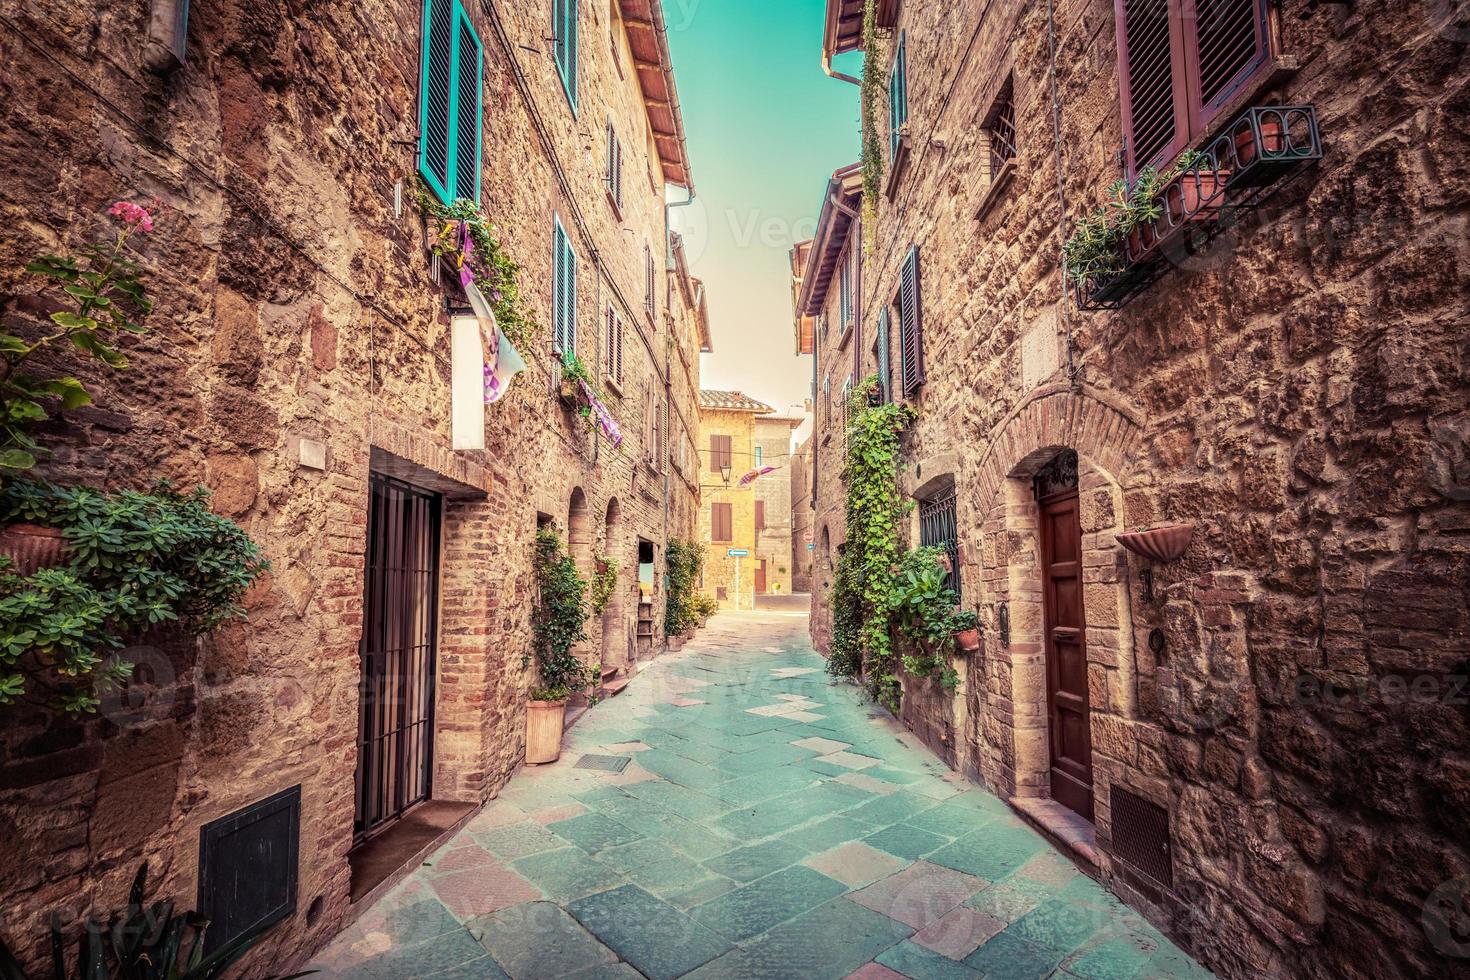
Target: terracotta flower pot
<point>1161,544</point>
<point>544,720</point>
<point>1196,195</point>
<point>31,547</point>
<point>1141,244</point>
<point>968,641</point>
<point>1273,140</point>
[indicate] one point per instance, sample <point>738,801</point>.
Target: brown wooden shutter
<point>1151,76</point>
<point>1226,44</point>
<point>721,528</point>
<point>760,515</point>
<point>910,324</point>
<point>720,452</point>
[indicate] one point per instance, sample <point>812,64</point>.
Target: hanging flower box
<point>1126,245</point>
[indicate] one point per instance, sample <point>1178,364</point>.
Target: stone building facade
<point>803,541</point>
<point>299,366</point>
<point>727,446</point>
<point>1229,739</point>
<point>773,526</point>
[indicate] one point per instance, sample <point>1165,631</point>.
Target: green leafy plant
<point>684,561</point>
<point>559,621</point>
<point>496,274</point>
<point>604,580</point>
<point>964,620</point>
<point>924,615</point>
<point>872,94</point>
<point>1095,248</point>
<point>105,299</point>
<point>138,560</point>
<point>143,942</point>
<point>705,606</point>
<point>846,658</point>
<point>874,509</point>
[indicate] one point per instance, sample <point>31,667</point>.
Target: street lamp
<point>725,473</point>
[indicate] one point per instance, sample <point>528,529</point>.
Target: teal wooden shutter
<point>571,297</point>
<point>910,325</point>
<point>564,23</point>
<point>884,377</point>
<point>450,84</point>
<point>470,69</point>
<point>898,94</point>
<point>436,122</point>
<point>558,286</point>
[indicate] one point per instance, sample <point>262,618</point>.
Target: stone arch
<point>614,637</point>
<point>579,533</point>
<point>1106,439</point>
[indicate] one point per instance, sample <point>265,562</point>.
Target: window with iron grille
<point>939,528</point>
<point>910,326</point>
<point>1000,130</point>
<point>1179,63</point>
<point>450,83</point>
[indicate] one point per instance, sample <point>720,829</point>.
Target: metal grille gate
<point>939,527</point>
<point>400,608</point>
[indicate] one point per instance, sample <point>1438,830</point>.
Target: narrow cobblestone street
<point>770,823</point>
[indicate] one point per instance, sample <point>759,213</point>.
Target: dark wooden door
<point>760,578</point>
<point>400,611</point>
<point>1066,652</point>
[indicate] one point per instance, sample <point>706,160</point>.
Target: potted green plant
<point>558,623</point>
<point>103,299</point>
<point>966,626</point>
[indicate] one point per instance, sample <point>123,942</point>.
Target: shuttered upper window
<point>564,29</point>
<point>1179,63</point>
<point>563,291</point>
<point>613,347</point>
<point>649,300</point>
<point>450,82</point>
<point>614,168</point>
<point>845,304</point>
<point>760,515</point>
<point>721,527</point>
<point>885,373</point>
<point>721,453</point>
<point>898,94</point>
<point>910,325</point>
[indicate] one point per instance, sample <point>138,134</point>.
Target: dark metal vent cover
<point>1141,835</point>
<point>605,763</point>
<point>247,868</point>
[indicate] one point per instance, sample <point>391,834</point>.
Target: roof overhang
<point>804,327</point>
<point>648,37</point>
<point>844,28</point>
<point>840,206</point>
<point>701,306</point>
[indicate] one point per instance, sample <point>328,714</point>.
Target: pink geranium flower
<point>132,215</point>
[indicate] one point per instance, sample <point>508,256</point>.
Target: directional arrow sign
<point>738,553</point>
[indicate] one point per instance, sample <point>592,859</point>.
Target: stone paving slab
<point>811,838</point>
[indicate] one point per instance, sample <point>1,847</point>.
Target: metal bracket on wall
<point>1003,620</point>
<point>1146,576</point>
<point>1157,642</point>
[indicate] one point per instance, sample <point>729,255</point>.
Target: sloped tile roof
<point>731,401</point>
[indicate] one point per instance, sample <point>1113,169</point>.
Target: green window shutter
<point>558,286</point>
<point>450,85</point>
<point>436,121</point>
<point>564,22</point>
<point>898,94</point>
<point>470,72</point>
<point>910,325</point>
<point>884,371</point>
<point>571,299</point>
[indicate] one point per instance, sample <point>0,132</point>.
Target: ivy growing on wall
<point>604,580</point>
<point>559,622</point>
<point>685,559</point>
<point>873,83</point>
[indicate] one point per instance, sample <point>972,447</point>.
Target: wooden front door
<point>760,578</point>
<point>1066,647</point>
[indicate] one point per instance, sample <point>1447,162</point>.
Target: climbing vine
<point>874,509</point>
<point>559,621</point>
<point>873,83</point>
<point>604,580</point>
<point>685,559</point>
<point>496,274</point>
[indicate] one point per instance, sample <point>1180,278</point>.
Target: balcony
<point>1262,151</point>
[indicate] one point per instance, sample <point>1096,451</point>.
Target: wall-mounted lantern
<point>1003,620</point>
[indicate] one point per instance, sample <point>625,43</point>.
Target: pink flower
<point>132,215</point>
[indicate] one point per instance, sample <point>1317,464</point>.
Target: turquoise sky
<point>766,128</point>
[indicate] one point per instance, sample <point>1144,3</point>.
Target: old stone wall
<point>1296,392</point>
<point>295,309</point>
<point>773,540</point>
<point>801,518</point>
<point>733,585</point>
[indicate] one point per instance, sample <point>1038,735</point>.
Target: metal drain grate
<point>605,763</point>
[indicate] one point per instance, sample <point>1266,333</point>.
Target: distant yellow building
<point>727,449</point>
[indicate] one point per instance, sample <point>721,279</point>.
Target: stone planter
<point>31,547</point>
<point>544,721</point>
<point>1161,544</point>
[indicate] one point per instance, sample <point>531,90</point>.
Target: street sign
<point>810,546</point>
<point>738,553</point>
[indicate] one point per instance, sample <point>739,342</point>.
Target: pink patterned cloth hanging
<point>605,421</point>
<point>754,475</point>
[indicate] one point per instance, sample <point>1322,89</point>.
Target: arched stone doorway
<point>615,639</point>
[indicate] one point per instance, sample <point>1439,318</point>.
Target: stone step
<point>609,671</point>
<point>613,688</point>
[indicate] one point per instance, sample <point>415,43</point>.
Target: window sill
<point>616,208</point>
<point>997,187</point>
<point>612,385</point>
<point>845,336</point>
